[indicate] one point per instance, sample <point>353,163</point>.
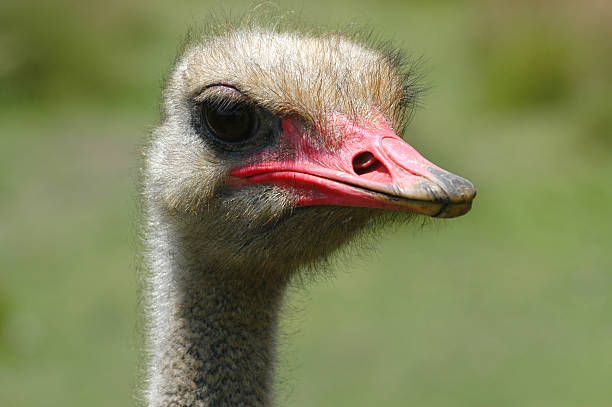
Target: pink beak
<point>373,168</point>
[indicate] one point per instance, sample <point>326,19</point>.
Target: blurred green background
<point>507,306</point>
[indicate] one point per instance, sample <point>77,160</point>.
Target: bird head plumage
<point>277,147</point>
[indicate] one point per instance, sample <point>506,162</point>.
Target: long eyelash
<point>223,103</point>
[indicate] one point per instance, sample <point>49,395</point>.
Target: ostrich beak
<point>372,168</point>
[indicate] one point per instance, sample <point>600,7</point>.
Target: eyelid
<point>220,93</point>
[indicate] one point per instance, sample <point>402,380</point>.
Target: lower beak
<point>374,168</point>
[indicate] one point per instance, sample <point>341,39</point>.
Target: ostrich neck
<point>212,339</point>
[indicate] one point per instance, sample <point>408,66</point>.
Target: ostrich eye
<point>231,124</point>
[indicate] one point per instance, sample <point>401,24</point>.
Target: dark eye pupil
<point>231,124</point>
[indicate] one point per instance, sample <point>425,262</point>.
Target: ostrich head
<point>277,148</point>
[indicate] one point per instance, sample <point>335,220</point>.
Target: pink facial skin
<point>373,167</point>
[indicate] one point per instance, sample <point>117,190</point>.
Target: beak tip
<point>455,210</point>
<point>459,193</point>
<point>458,189</point>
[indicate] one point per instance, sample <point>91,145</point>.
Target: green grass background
<point>509,305</point>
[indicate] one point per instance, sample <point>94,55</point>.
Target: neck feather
<point>212,338</point>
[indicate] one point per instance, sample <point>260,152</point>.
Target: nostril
<point>370,168</point>
<point>362,161</point>
<point>365,163</point>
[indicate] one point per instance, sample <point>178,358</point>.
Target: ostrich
<point>274,150</point>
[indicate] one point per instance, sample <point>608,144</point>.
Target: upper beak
<point>373,168</point>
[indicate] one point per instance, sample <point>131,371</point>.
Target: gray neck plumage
<point>211,338</point>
